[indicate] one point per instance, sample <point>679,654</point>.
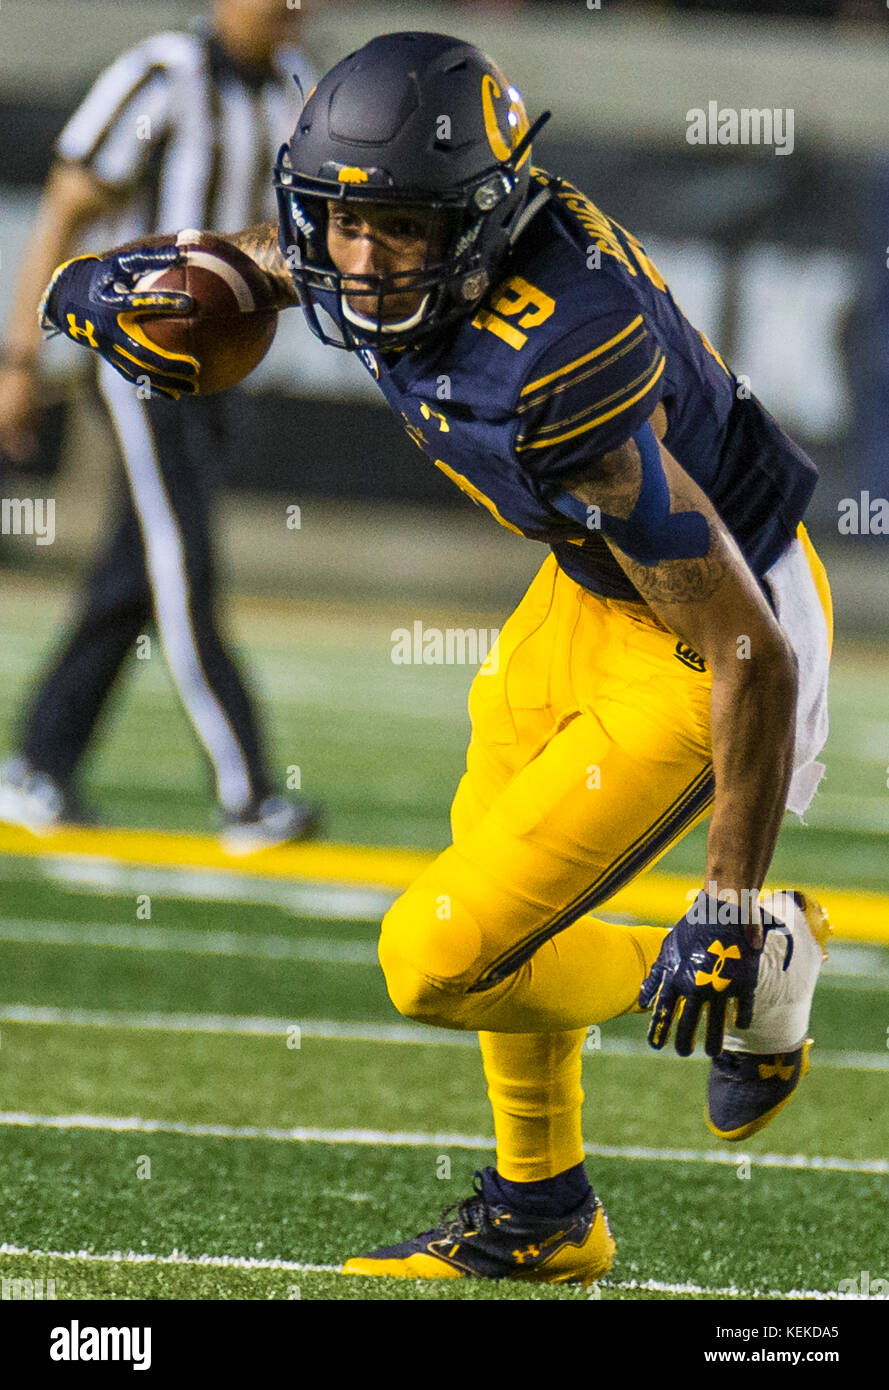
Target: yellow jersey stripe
<point>580,377</point>
<point>587,357</point>
<point>651,378</point>
<point>597,405</point>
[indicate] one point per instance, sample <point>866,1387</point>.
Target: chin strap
<point>400,326</point>
<point>530,211</point>
<point>530,134</point>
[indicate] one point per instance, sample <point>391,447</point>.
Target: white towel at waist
<point>798,609</point>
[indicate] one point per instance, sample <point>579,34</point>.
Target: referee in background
<point>181,131</point>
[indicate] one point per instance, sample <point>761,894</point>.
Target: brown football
<point>233,324</point>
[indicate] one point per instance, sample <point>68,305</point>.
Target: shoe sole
<point>817,920</point>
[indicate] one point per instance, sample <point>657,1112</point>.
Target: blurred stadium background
<point>782,262</point>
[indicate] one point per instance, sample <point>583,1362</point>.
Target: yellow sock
<point>535,1093</point>
<point>534,1079</point>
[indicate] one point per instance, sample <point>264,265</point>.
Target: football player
<point>669,660</point>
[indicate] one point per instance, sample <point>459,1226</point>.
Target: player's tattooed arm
<point>142,243</point>
<point>613,485</point>
<point>714,604</point>
<point>260,242</point>
<point>714,583</point>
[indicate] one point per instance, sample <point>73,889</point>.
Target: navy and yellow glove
<point>701,963</point>
<point>93,302</point>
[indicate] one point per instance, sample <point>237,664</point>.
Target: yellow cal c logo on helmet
<point>517,117</point>
<point>349,174</point>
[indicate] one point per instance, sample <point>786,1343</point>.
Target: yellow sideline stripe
<point>316,861</point>
<point>854,916</point>
<point>653,897</point>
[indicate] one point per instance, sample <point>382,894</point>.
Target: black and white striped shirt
<point>187,133</point>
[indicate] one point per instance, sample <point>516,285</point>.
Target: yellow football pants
<point>589,757</point>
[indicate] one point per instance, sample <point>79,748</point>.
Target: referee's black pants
<point>157,564</point>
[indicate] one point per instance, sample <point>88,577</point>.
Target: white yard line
<point>330,902</point>
<point>852,961</point>
<point>851,965</point>
<point>333,1030</point>
<point>321,950</point>
<point>134,1257</point>
<point>412,1139</point>
<point>176,1257</point>
<point>190,942</point>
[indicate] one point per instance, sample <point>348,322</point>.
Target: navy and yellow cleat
<point>745,1090</point>
<point>760,1068</point>
<point>486,1241</point>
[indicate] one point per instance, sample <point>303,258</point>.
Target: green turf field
<point>164,1136</point>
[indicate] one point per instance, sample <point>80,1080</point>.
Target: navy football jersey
<point>568,355</point>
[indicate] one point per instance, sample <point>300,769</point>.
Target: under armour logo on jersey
<point>716,977</point>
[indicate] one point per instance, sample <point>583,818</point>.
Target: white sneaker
<point>33,799</point>
<point>275,821</point>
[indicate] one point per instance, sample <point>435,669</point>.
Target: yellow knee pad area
<point>430,950</point>
<point>434,948</point>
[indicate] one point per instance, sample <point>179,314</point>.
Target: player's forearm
<point>752,730</point>
<point>261,244</point>
<point>710,598</point>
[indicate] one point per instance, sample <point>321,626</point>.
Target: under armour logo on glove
<point>702,963</point>
<point>96,303</point>
<point>716,977</point>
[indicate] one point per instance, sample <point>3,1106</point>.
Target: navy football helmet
<point>418,121</point>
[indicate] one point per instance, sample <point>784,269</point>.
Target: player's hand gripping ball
<point>705,960</point>
<point>193,317</point>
